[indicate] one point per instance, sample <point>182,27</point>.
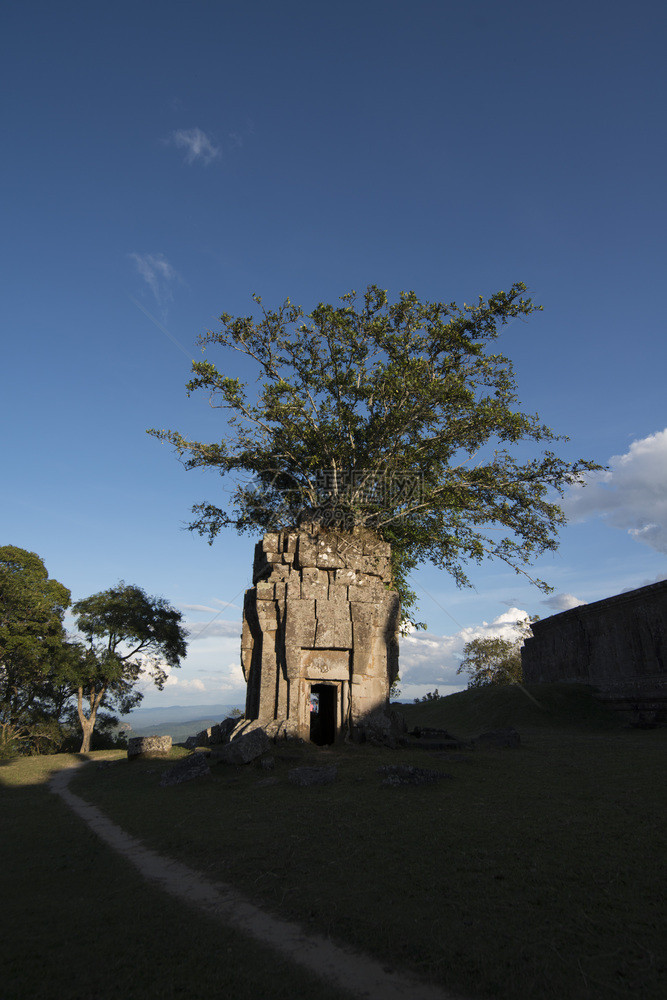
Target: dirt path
<point>338,965</point>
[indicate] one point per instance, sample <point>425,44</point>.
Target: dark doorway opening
<point>324,705</point>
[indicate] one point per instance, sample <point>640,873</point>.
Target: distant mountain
<point>175,714</point>
<point>179,731</point>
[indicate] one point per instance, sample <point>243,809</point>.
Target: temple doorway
<point>323,713</point>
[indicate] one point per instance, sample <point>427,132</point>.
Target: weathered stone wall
<point>319,612</point>
<point>618,645</point>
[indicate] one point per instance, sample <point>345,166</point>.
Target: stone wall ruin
<point>618,645</point>
<point>320,620</point>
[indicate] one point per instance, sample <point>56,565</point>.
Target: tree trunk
<point>87,725</point>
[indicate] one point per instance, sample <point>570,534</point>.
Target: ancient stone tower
<point>319,631</point>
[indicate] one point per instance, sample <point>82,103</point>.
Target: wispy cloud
<point>226,604</point>
<point>631,494</point>
<point>158,274</point>
<point>197,145</point>
<point>206,630</point>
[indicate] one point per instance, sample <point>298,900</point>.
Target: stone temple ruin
<point>319,647</point>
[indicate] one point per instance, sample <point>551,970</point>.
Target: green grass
<point>79,922</point>
<point>533,707</point>
<point>536,871</point>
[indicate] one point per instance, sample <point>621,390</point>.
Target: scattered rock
<point>267,763</point>
<point>383,727</point>
<point>194,766</point>
<point>312,775</point>
<point>265,782</point>
<point>244,748</point>
<point>213,736</point>
<point>498,738</point>
<point>148,747</point>
<point>406,774</point>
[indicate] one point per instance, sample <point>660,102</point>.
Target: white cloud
<point>199,607</point>
<point>562,602</point>
<point>158,274</point>
<point>197,144</point>
<point>631,494</point>
<point>427,661</point>
<point>184,684</point>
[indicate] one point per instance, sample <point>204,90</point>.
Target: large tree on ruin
<point>397,416</point>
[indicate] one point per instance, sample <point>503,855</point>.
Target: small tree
<point>126,632</point>
<point>395,416</point>
<point>32,607</point>
<point>494,660</point>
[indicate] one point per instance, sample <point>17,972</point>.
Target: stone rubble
<point>194,766</point>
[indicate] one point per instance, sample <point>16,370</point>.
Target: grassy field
<point>79,924</point>
<point>530,872</point>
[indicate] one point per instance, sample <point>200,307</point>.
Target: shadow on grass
<point>536,871</point>
<point>79,922</point>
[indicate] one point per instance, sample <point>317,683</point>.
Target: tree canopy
<point>126,632</point>
<point>32,607</point>
<point>495,660</point>
<point>397,416</point>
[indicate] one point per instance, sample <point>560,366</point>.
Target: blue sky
<point>163,161</point>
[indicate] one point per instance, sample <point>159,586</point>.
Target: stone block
<point>271,543</point>
<point>324,610</point>
<point>267,614</point>
<point>337,595</point>
<point>311,574</point>
<point>325,633</point>
<point>362,612</point>
<point>187,769</point>
<point>314,583</point>
<point>244,748</point>
<point>300,622</point>
<point>325,664</point>
<point>306,552</point>
<point>247,640</point>
<point>365,589</point>
<point>328,556</point>
<point>342,633</point>
<point>148,747</point>
<point>289,542</point>
<point>265,591</point>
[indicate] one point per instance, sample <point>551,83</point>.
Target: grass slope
<point>529,708</point>
<point>78,922</point>
<point>536,871</point>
